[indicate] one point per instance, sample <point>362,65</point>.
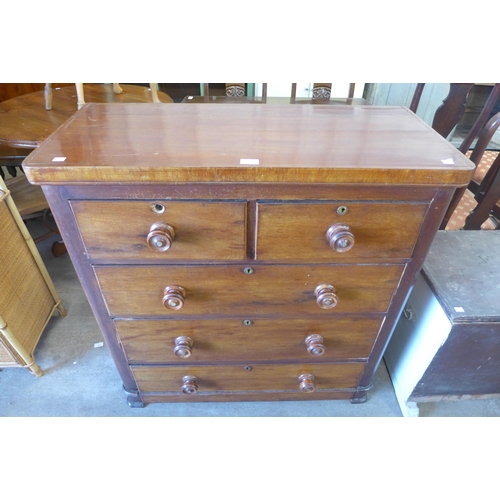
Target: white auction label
<point>249,161</point>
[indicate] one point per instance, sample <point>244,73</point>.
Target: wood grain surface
<point>217,341</point>
<point>137,291</point>
<point>204,230</point>
<point>261,377</point>
<point>205,143</point>
<point>297,231</point>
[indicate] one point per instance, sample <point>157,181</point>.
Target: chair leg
<point>58,248</point>
<point>48,96</point>
<point>479,215</point>
<point>154,92</point>
<point>80,94</point>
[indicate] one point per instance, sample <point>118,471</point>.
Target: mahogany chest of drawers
<point>242,253</point>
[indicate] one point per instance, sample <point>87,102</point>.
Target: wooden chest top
<point>143,143</point>
<point>461,269</point>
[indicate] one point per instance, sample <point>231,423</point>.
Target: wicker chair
<point>28,298</point>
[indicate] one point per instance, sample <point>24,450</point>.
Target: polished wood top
<point>124,143</point>
<point>25,123</point>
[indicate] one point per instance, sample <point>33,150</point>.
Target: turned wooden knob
<point>315,345</point>
<point>326,298</point>
<point>189,384</point>
<point>340,238</point>
<point>173,297</point>
<point>183,347</point>
<point>160,236</point>
<point>307,383</point>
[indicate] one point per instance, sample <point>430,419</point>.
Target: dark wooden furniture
<point>447,343</point>
<point>486,189</point>
<point>321,94</point>
<point>237,253</point>
<point>446,118</point>
<point>235,93</point>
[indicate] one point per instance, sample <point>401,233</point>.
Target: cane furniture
<point>239,253</point>
<point>28,298</point>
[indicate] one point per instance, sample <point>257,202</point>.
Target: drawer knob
<point>326,298</point>
<point>315,345</point>
<point>160,237</point>
<point>189,384</point>
<point>183,347</point>
<point>173,297</point>
<point>307,383</point>
<point>340,238</point>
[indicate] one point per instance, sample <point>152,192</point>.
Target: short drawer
<point>246,377</point>
<point>299,231</point>
<point>139,230</point>
<point>136,291</point>
<point>201,341</point>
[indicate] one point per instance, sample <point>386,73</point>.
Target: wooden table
<point>25,123</point>
<point>242,253</point>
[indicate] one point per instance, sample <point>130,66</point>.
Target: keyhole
<point>248,270</point>
<point>158,208</point>
<point>342,210</point>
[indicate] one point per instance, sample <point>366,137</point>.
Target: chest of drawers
<point>242,253</point>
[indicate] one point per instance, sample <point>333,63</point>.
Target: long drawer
<point>255,377</point>
<point>298,231</point>
<point>217,341</point>
<point>124,230</point>
<point>138,291</point>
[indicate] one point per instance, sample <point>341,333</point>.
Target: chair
<point>487,191</point>
<point>235,93</point>
<point>81,97</point>
<point>445,120</point>
<point>321,94</point>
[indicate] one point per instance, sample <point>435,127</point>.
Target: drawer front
<point>202,230</point>
<point>201,341</point>
<point>137,291</point>
<point>298,231</point>
<point>256,377</point>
